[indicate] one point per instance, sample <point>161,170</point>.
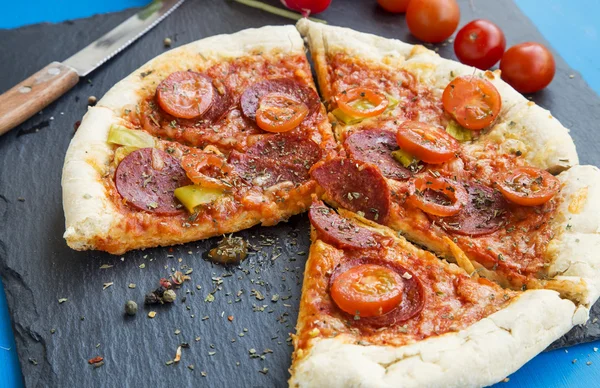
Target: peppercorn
<point>151,298</point>
<point>169,296</point>
<point>160,291</point>
<point>92,100</point>
<point>131,308</point>
<point>167,42</point>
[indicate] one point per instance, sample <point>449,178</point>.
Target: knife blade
<point>36,92</point>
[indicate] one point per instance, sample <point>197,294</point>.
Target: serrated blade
<point>101,50</point>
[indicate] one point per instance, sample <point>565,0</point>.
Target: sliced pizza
<point>377,311</point>
<point>457,161</point>
<point>209,138</point>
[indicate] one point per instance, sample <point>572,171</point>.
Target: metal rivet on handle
<point>53,71</point>
<point>25,89</point>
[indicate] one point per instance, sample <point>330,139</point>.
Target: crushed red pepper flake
<point>95,360</point>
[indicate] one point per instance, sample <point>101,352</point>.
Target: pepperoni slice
<point>340,231</point>
<point>376,146</point>
<point>147,178</point>
<point>185,94</point>
<point>484,212</point>
<point>287,86</point>
<point>413,295</point>
<point>358,187</point>
<point>275,159</point>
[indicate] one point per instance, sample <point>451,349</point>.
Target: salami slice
<point>147,178</point>
<point>275,159</point>
<point>359,187</point>
<point>413,295</point>
<point>252,95</point>
<point>340,231</point>
<point>376,146</point>
<point>484,213</point>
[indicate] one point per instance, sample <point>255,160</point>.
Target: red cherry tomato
<point>427,142</point>
<point>394,6</point>
<point>473,102</point>
<point>206,169</point>
<point>480,43</point>
<point>349,102</point>
<point>185,94</point>
<point>432,21</point>
<point>367,290</point>
<point>528,186</point>
<point>279,113</point>
<point>307,7</point>
<point>527,67</point>
<point>437,196</point>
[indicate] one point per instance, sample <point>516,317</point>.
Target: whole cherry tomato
<point>394,6</point>
<point>307,6</point>
<point>432,21</point>
<point>480,43</point>
<point>528,67</point>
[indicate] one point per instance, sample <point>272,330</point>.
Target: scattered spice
<point>169,296</point>
<point>191,367</point>
<point>33,361</point>
<point>167,42</point>
<point>264,370</point>
<point>95,360</point>
<point>62,300</point>
<point>177,354</point>
<point>151,314</point>
<point>106,285</point>
<point>105,266</point>
<point>230,319</point>
<point>92,100</point>
<point>97,365</point>
<point>131,285</point>
<point>131,308</point>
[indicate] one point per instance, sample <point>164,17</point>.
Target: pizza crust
<point>480,355</point>
<point>574,253</point>
<point>521,124</point>
<point>89,214</point>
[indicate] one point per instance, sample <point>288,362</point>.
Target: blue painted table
<point>571,27</point>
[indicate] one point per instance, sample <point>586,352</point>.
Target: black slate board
<point>38,268</point>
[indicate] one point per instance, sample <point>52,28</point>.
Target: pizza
<point>210,138</point>
<point>464,233</point>
<point>458,162</point>
<point>376,311</point>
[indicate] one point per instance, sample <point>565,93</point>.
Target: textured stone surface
<point>38,268</point>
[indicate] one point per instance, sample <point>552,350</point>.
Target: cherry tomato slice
<point>473,101</point>
<point>437,196</point>
<point>185,94</point>
<point>528,67</point>
<point>278,112</point>
<point>362,102</point>
<point>206,169</point>
<point>426,142</point>
<point>367,290</point>
<point>528,186</point>
<point>480,43</point>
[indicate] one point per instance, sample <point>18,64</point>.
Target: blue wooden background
<point>571,26</point>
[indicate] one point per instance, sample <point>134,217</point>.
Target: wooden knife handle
<point>35,93</point>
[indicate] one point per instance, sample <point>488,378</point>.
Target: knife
<point>39,90</point>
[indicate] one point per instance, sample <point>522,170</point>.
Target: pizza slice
<point>209,138</point>
<point>377,311</point>
<point>457,161</point>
